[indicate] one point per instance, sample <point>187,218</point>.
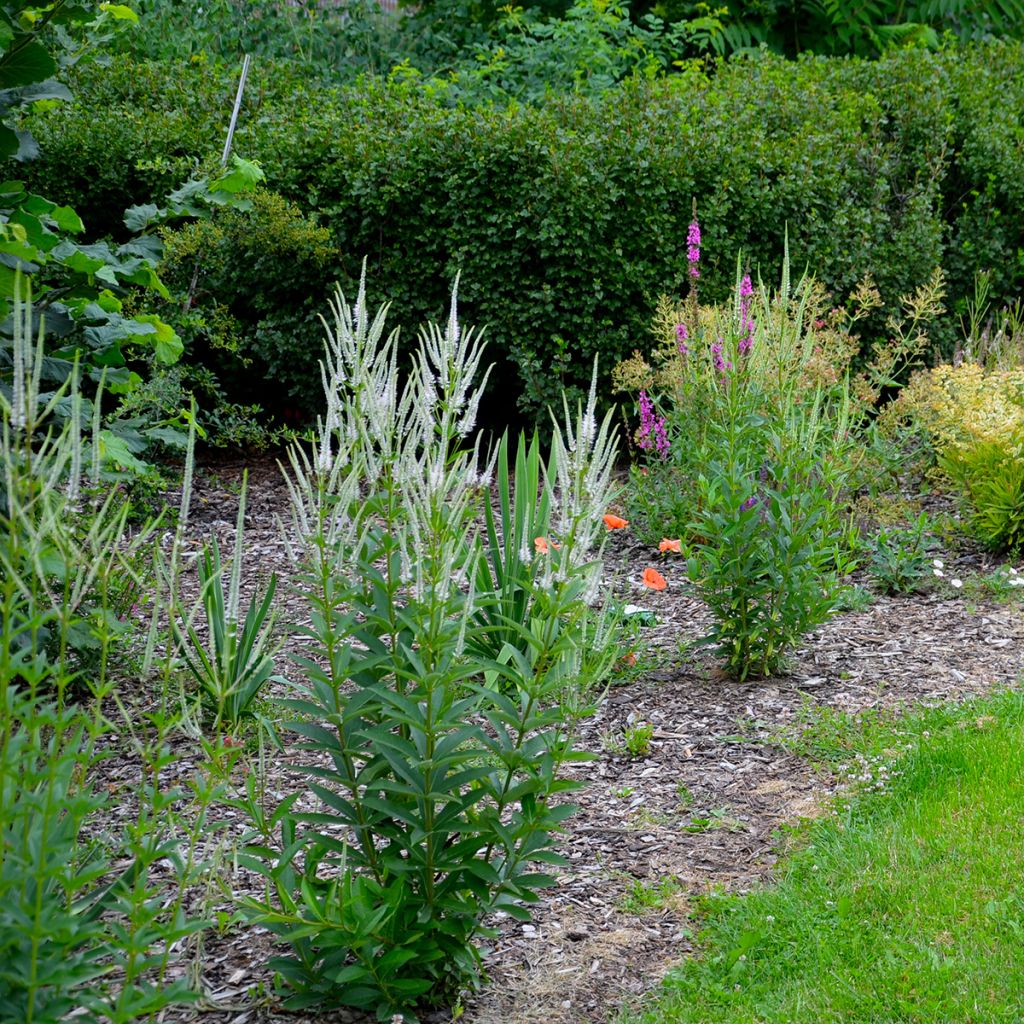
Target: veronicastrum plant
<point>65,545</point>
<point>444,677</point>
<point>88,921</point>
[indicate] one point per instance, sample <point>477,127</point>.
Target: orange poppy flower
<point>669,545</point>
<point>615,522</point>
<point>540,545</point>
<point>653,579</point>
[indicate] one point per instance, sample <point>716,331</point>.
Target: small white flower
<point>956,583</point>
<point>939,573</point>
<point>938,563</point>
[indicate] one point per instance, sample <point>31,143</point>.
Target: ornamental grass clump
<point>448,663</point>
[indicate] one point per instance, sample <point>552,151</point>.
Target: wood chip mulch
<point>703,808</point>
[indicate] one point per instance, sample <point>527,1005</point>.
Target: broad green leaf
<point>51,89</point>
<point>244,175</point>
<point>26,149</point>
<point>74,259</point>
<point>25,65</point>
<point>123,386</point>
<point>114,449</point>
<point>138,218</point>
<point>167,435</point>
<point>66,219</point>
<point>120,12</point>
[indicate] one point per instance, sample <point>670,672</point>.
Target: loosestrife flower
<point>614,522</point>
<point>746,321</point>
<point>652,433</point>
<point>693,248</point>
<point>749,503</point>
<point>721,364</point>
<point>653,580</point>
<point>682,334</point>
<point>670,545</point>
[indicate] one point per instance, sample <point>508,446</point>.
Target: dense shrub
<point>251,313</point>
<point>973,420</point>
<point>568,219</point>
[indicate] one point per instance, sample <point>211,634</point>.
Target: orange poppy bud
<point>653,579</point>
<point>615,522</point>
<point>669,545</point>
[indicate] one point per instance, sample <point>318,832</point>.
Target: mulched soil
<point>704,807</point>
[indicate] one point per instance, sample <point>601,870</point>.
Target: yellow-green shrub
<point>973,419</point>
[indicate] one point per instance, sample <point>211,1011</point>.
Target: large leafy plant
<point>443,681</point>
<point>80,286</point>
<point>744,451</point>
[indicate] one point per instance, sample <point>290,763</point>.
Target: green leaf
<point>66,219</point>
<point>120,12</point>
<point>245,175</point>
<point>51,89</point>
<point>167,346</point>
<point>114,449</point>
<point>138,218</point>
<point>25,65</point>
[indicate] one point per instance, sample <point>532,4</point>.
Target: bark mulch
<point>702,808</point>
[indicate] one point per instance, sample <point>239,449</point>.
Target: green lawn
<point>906,906</point>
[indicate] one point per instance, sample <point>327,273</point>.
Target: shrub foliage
<point>568,218</point>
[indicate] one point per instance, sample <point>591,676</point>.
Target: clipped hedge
<point>567,220</point>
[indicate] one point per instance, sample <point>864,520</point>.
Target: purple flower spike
<point>746,342</point>
<point>749,503</point>
<point>652,433</point>
<point>693,248</point>
<point>717,359</point>
<point>681,335</point>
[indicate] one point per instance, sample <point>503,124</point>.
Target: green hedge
<point>568,220</point>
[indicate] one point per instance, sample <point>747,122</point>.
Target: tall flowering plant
<point>785,349</point>
<point>743,443</point>
<point>452,651</point>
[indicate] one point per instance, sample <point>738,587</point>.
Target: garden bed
<point>726,769</point>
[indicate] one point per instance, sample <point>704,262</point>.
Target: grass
<point>906,906</point>
<point>641,897</point>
